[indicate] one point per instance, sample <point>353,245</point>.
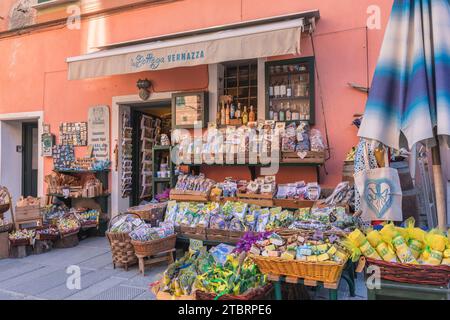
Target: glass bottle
<point>289,89</point>
<point>237,114</point>
<point>288,112</point>
<point>275,115</point>
<point>276,90</point>
<point>227,114</point>
<point>252,115</point>
<point>245,116</point>
<point>281,115</point>
<point>283,89</point>
<point>232,110</point>
<point>223,114</point>
<point>295,114</point>
<point>270,110</point>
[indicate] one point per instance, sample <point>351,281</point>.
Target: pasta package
<point>416,237</point>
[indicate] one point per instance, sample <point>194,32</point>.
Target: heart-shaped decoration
<point>302,154</point>
<point>378,196</point>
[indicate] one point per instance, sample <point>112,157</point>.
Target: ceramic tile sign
<point>98,133</point>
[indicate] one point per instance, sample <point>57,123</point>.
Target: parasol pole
<point>439,186</point>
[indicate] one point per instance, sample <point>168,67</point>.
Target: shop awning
<point>247,40</point>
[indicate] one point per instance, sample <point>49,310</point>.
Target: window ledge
<point>51,3</point>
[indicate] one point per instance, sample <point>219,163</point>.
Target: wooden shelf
<point>62,196</point>
<point>81,171</point>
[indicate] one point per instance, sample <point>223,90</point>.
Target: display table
<point>397,290</point>
<point>348,275</point>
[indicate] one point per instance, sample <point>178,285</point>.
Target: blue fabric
<point>410,91</point>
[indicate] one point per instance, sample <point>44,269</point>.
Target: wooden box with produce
<point>28,209</point>
<point>316,157</point>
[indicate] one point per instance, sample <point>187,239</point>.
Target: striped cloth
<point>410,91</point>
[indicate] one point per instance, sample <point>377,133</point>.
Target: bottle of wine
<point>283,89</point>
<point>245,116</point>
<point>288,112</point>
<point>289,89</point>
<point>252,115</point>
<point>223,114</point>
<point>237,114</point>
<point>232,110</point>
<point>281,115</point>
<point>276,90</point>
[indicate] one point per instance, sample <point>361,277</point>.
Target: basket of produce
<point>5,227</point>
<point>152,213</point>
<point>5,200</point>
<point>408,255</point>
<point>21,237</point>
<point>47,233</point>
<point>298,257</point>
<point>148,241</point>
<point>88,218</point>
<point>119,239</point>
<point>68,226</point>
<point>217,274</point>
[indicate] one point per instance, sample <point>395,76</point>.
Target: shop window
<point>238,86</point>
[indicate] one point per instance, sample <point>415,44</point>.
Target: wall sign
<point>98,133</point>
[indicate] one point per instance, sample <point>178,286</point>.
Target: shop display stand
<point>348,275</point>
<point>172,179</point>
<point>163,256</point>
<point>102,200</point>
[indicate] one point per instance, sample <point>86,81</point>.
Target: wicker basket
<point>151,248</point>
<point>412,273</point>
<point>326,271</point>
<point>6,227</point>
<point>152,213</point>
<point>121,247</point>
<point>286,233</point>
<point>251,294</point>
<point>20,242</point>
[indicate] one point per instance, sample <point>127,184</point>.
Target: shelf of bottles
<point>289,91</point>
<point>238,104</point>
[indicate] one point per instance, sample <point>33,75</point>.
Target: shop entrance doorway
<point>29,158</point>
<point>149,122</point>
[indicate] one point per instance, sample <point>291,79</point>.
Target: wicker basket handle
<point>119,215</point>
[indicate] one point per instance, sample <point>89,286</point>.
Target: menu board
<point>98,133</point>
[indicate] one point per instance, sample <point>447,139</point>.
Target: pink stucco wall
<point>33,70</point>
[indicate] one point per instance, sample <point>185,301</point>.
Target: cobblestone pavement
<point>45,276</point>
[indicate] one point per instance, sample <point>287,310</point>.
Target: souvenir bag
<point>380,190</point>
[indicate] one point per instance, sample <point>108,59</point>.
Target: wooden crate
<point>293,203</point>
<point>311,157</point>
<point>4,245</point>
<point>27,213</point>
<point>189,195</point>
<point>198,233</point>
<point>263,199</point>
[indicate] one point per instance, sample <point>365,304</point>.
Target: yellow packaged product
<point>446,253</point>
<point>323,257</point>
<point>357,237</point>
<point>390,235</point>
<point>385,251</point>
<point>311,258</point>
<point>368,251</point>
<point>416,247</point>
<point>435,244</point>
<point>446,261</point>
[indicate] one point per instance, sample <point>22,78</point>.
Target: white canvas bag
<point>380,191</point>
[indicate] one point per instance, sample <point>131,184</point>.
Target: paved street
<point>44,276</point>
